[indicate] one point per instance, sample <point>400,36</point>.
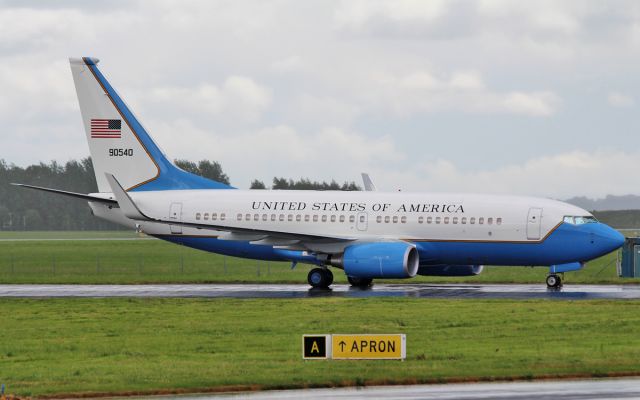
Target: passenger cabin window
<point>324,218</point>
<point>498,221</point>
<point>315,218</point>
<point>256,217</point>
<point>455,220</point>
<point>429,220</point>
<point>463,220</point>
<point>333,218</point>
<point>239,217</point>
<point>489,221</point>
<point>362,218</point>
<point>395,219</point>
<point>222,217</point>
<point>352,218</point>
<point>481,220</point>
<point>298,218</point>
<point>290,217</point>
<point>446,220</point>
<point>386,219</point>
<point>342,218</point>
<point>205,216</point>
<point>472,220</point>
<point>281,217</point>
<point>197,216</point>
<point>306,218</point>
<point>403,220</point>
<point>214,216</point>
<point>420,220</point>
<point>264,217</point>
<point>438,219</point>
<point>247,217</point>
<point>273,217</point>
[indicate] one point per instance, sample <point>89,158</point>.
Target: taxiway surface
<point>542,390</point>
<point>494,291</point>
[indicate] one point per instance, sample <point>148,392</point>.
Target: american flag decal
<point>105,128</point>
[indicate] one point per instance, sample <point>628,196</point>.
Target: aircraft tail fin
<point>119,144</point>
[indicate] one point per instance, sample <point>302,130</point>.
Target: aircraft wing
<point>279,239</point>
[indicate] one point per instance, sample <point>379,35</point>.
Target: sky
<point>533,98</point>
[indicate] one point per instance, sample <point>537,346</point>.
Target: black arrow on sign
<point>342,344</point>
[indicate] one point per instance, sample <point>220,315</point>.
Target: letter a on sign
<point>316,347</point>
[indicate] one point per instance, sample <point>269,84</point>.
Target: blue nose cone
<point>607,238</point>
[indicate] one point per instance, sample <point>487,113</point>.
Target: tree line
<point>26,209</point>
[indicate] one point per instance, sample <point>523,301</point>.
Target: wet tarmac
<point>545,390</point>
<point>468,291</point>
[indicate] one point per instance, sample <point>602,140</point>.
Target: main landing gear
<point>320,278</point>
<point>554,281</point>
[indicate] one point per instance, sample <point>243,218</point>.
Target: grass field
<point>30,260</point>
<point>153,345</point>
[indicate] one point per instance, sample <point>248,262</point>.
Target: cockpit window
<point>579,220</point>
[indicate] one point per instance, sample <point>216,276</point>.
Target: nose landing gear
<point>320,278</point>
<point>554,281</point>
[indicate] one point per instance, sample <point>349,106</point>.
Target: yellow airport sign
<point>369,347</point>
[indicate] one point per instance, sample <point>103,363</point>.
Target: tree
<point>205,168</point>
<point>307,184</point>
<point>256,184</point>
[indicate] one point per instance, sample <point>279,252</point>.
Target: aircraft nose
<point>608,238</point>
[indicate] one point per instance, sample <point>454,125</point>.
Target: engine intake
<point>380,260</point>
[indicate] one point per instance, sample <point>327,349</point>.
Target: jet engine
<point>450,270</point>
<point>379,260</point>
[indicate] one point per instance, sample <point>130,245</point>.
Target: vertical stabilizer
<point>118,143</point>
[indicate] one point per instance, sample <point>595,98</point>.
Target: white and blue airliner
<point>368,234</point>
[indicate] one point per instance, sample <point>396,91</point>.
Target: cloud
<point>288,64</point>
<point>462,91</point>
<point>562,175</point>
<point>236,97</point>
<point>620,100</point>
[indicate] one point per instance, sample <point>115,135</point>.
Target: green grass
<point>151,345</point>
<point>155,261</point>
<point>34,235</point>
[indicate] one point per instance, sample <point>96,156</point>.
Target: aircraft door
<point>534,223</point>
<point>175,214</point>
<point>362,221</point>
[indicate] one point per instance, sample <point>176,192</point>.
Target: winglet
<point>368,183</point>
<point>127,205</point>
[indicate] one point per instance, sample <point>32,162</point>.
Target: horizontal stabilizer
<point>83,196</point>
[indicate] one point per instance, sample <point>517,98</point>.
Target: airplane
<point>368,234</point>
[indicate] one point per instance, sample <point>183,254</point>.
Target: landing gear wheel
<point>360,282</point>
<point>320,278</point>
<point>554,281</point>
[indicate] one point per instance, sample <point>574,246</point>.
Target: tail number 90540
<point>120,152</point>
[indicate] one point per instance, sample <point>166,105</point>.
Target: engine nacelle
<point>381,260</point>
<point>450,270</point>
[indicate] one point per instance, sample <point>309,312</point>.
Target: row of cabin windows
<point>333,218</point>
<point>440,220</point>
<point>214,216</point>
<point>297,217</point>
